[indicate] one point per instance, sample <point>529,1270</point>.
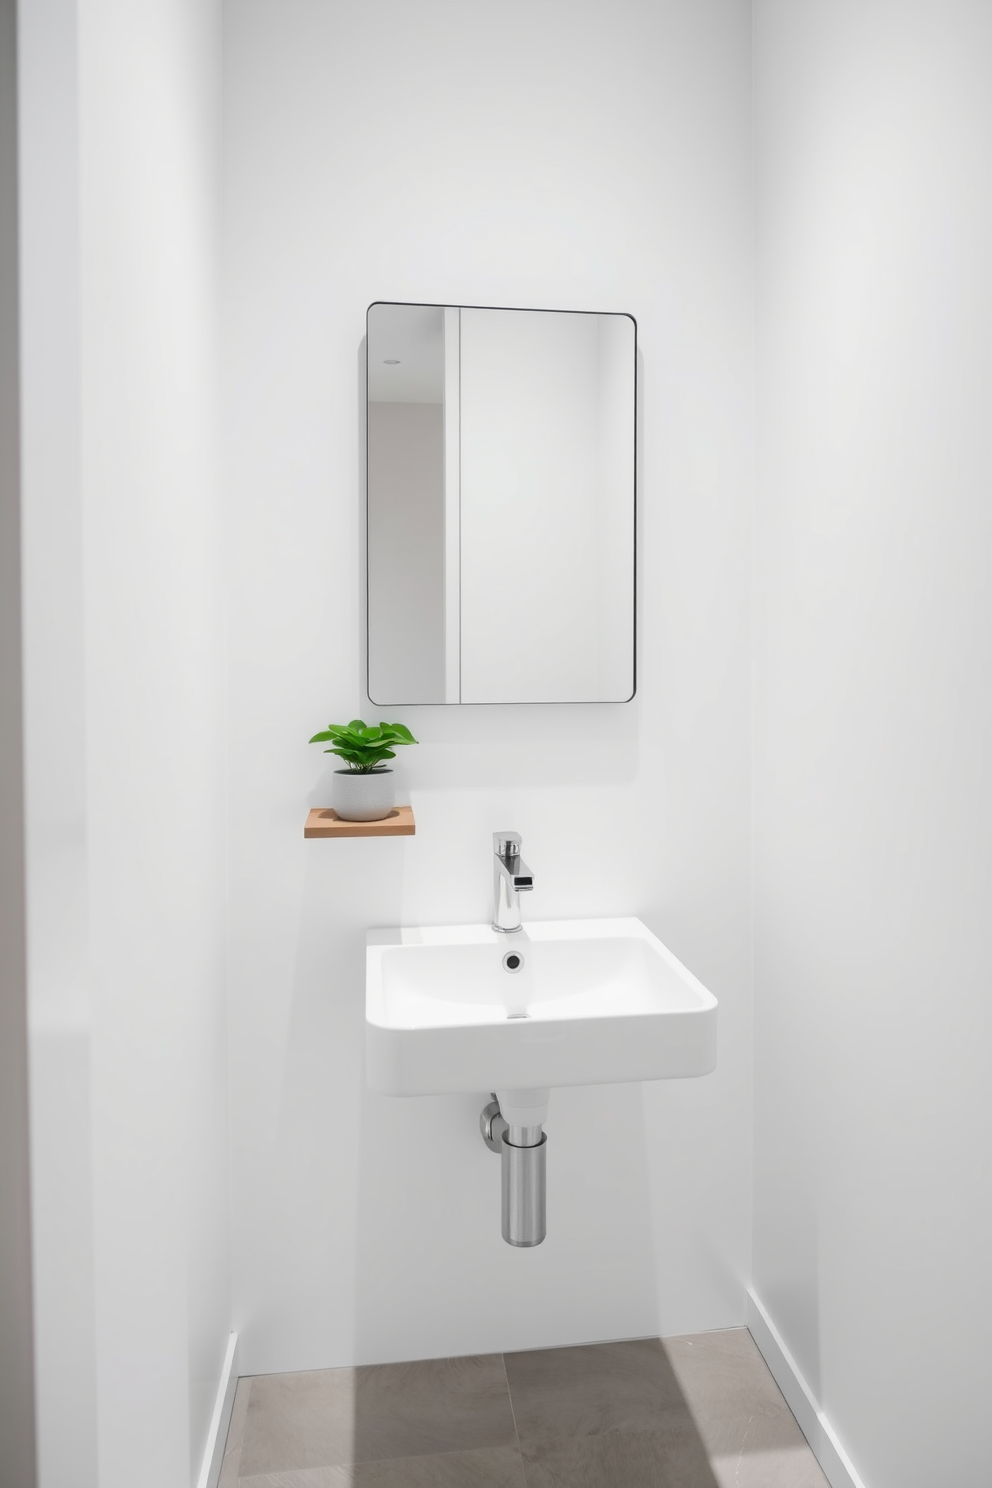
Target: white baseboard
<point>837,1466</point>
<point>220,1421</point>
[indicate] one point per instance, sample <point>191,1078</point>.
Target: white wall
<point>17,1417</point>
<point>59,999</point>
<point>580,156</point>
<point>123,729</point>
<point>873,806</point>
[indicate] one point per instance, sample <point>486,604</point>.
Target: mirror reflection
<point>500,505</point>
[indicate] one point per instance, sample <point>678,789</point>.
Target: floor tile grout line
<point>513,1417</point>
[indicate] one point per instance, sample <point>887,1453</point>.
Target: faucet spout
<point>511,878</point>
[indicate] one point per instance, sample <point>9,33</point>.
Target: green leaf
<point>364,746</point>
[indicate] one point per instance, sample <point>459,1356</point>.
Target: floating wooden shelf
<point>324,821</point>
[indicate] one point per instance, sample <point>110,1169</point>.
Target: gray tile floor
<point>695,1412</point>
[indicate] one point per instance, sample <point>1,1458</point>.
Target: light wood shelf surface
<point>324,821</point>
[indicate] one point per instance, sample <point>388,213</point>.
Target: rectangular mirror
<point>500,505</point>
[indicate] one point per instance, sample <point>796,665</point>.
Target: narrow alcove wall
<point>579,155</point>
<point>122,588</point>
<point>569,155</point>
<point>873,719</point>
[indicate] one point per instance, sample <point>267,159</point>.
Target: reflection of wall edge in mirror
<point>506,696</point>
<point>451,480</point>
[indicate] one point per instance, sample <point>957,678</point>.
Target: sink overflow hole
<point>512,961</point>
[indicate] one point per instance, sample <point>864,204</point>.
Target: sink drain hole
<point>513,961</point>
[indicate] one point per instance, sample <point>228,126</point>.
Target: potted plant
<point>363,790</point>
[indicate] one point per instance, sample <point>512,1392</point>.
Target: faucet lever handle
<point>507,844</point>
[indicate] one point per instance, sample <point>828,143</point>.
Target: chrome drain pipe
<point>523,1156</point>
<point>525,1185</point>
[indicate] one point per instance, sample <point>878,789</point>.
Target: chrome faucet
<point>511,877</point>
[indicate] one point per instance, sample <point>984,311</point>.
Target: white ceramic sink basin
<point>593,1002</point>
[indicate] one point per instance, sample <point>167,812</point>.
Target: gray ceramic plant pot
<point>367,797</point>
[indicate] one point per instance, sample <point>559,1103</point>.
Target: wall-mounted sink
<point>448,1009</point>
